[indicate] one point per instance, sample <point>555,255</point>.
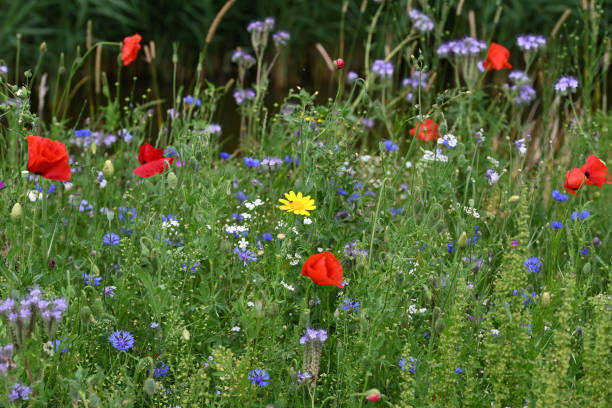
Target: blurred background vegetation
<point>62,24</point>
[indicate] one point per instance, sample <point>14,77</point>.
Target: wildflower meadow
<point>432,229</point>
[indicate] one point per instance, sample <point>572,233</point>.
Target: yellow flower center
<point>297,205</point>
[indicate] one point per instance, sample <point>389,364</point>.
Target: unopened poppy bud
<point>463,240</point>
<point>513,199</point>
<point>339,63</point>
<point>85,314</point>
<point>586,269</point>
<point>149,386</point>
<point>108,170</point>
<point>16,213</point>
<point>172,180</point>
<point>43,46</point>
<point>373,395</point>
<point>545,299</point>
<point>596,241</point>
<point>186,335</point>
<point>440,325</point>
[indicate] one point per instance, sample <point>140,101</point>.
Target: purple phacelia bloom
<point>281,38</point>
<point>319,335</point>
<point>467,46</point>
<point>530,42</point>
<point>243,95</point>
<point>421,21</point>
<point>243,59</point>
<point>383,69</point>
<point>566,84</point>
<point>525,94</point>
<point>19,392</point>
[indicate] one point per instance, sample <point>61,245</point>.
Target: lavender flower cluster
<point>319,335</point>
<point>85,137</point>
<point>421,21</point>
<point>530,42</point>
<point>467,46</point>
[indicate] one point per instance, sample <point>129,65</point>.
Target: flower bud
<point>596,241</point>
<point>513,199</point>
<point>186,335</point>
<point>463,240</point>
<point>16,213</point>
<point>149,386</point>
<point>545,299</point>
<point>339,63</point>
<point>108,170</point>
<point>85,314</point>
<point>440,325</point>
<point>373,395</point>
<point>172,180</point>
<point>586,269</point>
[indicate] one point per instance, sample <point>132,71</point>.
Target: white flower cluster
<point>294,259</point>
<point>471,211</point>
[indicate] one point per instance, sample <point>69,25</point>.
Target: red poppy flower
<point>574,179</point>
<point>324,269</point>
<point>497,58</point>
<point>595,171</point>
<point>428,130</point>
<point>131,46</point>
<point>49,158</point>
<point>152,161</point>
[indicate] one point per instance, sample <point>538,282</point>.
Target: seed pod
<point>440,325</point>
<point>586,269</point>
<point>85,314</point>
<point>513,199</point>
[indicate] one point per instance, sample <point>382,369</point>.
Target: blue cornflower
<point>161,371</point>
<point>238,217</point>
<point>224,155</point>
<point>341,191</point>
<point>458,370</point>
<point>89,280</point>
<point>556,225</point>
<point>121,340</point>
<point>193,269</point>
<point>533,264</point>
<point>349,305</point>
<point>251,162</point>
<point>111,239</point>
<point>245,255</point>
<point>259,377</point>
<point>584,251</point>
<point>57,344</point>
<point>84,206</point>
<point>124,213</point>
<point>557,195</point>
<point>353,197</point>
<point>82,132</point>
<point>583,215</point>
<point>390,146</point>
<point>241,196</point>
<point>396,211</point>
<point>190,99</point>
<point>267,236</point>
<point>451,247</point>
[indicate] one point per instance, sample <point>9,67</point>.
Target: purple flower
<point>251,162</point>
<point>556,225</point>
<point>89,280</point>
<point>421,21</point>
<point>161,371</point>
<point>20,391</point>
<point>303,376</point>
<point>1,185</point>
<point>111,239</point>
<point>243,59</point>
<point>402,364</point>
<point>566,84</point>
<point>383,69</point>
<point>213,129</point>
<point>281,38</point>
<point>243,95</point>
<point>525,93</point>
<point>458,370</point>
<point>530,42</point>
<point>582,215</point>
<point>121,340</point>
<point>319,335</point>
<point>351,77</point>
<point>533,264</point>
<point>584,251</point>
<point>467,46</point>
<point>349,305</point>
<point>390,146</point>
<point>224,155</point>
<point>259,377</point>
<point>109,291</point>
<point>245,255</point>
<point>518,77</point>
<point>557,195</point>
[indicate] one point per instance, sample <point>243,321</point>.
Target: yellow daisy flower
<point>297,204</point>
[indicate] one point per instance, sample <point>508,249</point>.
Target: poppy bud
<point>85,314</point>
<point>108,170</point>
<point>373,395</point>
<point>186,335</point>
<point>149,386</point>
<point>545,299</point>
<point>586,269</point>
<point>440,325</point>
<point>172,180</point>
<point>596,241</point>
<point>16,213</point>
<point>514,199</point>
<point>43,46</point>
<point>339,63</point>
<point>463,240</point>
